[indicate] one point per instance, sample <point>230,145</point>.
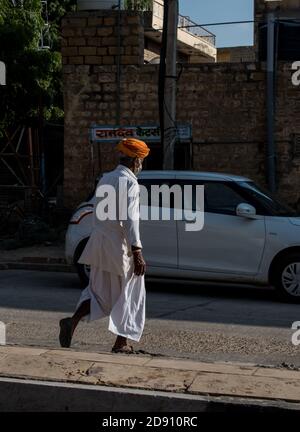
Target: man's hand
<point>139,262</point>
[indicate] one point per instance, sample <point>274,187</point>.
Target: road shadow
<point>212,289</point>
<point>166,300</point>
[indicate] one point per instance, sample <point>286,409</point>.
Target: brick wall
<point>225,103</point>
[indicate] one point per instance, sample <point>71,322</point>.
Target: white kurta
<point>114,290</point>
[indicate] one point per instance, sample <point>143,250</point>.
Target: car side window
<point>221,198</point>
<point>189,193</point>
<point>154,200</point>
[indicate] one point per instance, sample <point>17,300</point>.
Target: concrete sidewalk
<point>38,257</point>
<point>40,379</point>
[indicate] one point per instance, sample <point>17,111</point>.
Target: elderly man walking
<point>114,252</point>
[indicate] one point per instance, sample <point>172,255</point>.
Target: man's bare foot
<point>125,349</point>
<point>121,346</point>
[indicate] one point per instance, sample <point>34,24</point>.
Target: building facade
<point>195,44</point>
<point>107,83</point>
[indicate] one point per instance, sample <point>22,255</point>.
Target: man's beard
<point>138,170</point>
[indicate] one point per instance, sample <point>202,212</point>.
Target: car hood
<point>295,220</point>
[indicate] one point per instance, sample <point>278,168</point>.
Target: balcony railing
<point>186,24</point>
<point>191,27</point>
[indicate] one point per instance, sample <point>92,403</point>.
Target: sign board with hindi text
<point>144,133</point>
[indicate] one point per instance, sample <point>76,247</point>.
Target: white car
<point>248,236</point>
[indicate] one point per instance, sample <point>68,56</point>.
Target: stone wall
<point>225,103</point>
<point>283,9</point>
<point>94,56</point>
<point>239,54</point>
<point>261,6</point>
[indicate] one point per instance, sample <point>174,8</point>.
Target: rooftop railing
<point>186,24</point>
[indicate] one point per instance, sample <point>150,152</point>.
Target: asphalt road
<point>196,321</point>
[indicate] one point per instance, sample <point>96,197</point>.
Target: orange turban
<point>133,148</point>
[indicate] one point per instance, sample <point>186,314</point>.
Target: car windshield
<point>267,200</point>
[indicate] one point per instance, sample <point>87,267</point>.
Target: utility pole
<point>271,6</point>
<point>169,131</point>
<point>271,164</point>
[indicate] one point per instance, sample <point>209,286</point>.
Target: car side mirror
<point>246,210</point>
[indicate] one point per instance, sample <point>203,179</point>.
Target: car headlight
<point>80,214</point>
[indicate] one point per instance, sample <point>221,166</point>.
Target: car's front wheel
<point>287,278</point>
<point>83,270</point>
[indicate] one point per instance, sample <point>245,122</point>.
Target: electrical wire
<point>259,21</point>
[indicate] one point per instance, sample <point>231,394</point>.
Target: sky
<point>215,11</point>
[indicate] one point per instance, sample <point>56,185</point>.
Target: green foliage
<point>138,5</point>
<point>33,75</point>
<point>56,10</point>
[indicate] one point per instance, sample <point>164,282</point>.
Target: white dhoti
<point>114,290</point>
<point>121,298</point>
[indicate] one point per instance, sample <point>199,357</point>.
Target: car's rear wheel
<point>287,278</point>
<point>83,270</point>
